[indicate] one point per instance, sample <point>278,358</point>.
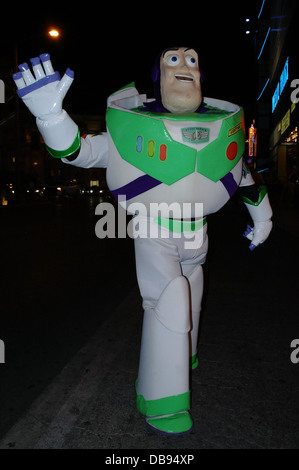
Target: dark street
<point>71,320</point>
<point>58,284</point>
<point>156,117</point>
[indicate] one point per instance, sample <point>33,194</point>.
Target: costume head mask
<point>178,80</point>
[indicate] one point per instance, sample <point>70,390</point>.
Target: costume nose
<point>184,67</point>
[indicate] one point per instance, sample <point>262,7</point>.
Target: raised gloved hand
<point>258,234</point>
<point>43,94</point>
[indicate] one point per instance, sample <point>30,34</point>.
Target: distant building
<point>24,160</point>
<point>277,44</point>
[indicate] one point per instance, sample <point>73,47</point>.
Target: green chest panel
<point>221,156</point>
<point>143,141</point>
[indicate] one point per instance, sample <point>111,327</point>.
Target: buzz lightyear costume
<point>153,158</point>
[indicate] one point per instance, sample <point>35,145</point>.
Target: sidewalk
<point>91,403</point>
<point>245,390</point>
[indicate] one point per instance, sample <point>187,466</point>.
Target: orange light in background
<point>54,33</point>
<point>252,140</point>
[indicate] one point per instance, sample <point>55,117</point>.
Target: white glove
<point>258,234</point>
<point>261,214</point>
<point>43,94</point>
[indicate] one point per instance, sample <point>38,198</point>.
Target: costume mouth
<point>184,78</point>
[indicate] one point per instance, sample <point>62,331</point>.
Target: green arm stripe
<point>67,152</point>
<point>262,190</point>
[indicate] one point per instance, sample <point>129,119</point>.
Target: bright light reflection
<point>54,33</point>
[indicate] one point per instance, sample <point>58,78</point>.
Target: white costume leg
<point>163,386</point>
<point>196,283</point>
<point>163,380</point>
<point>192,269</point>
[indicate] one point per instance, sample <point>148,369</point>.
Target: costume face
<point>180,80</point>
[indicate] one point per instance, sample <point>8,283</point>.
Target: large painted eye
<point>191,61</point>
<point>173,60</point>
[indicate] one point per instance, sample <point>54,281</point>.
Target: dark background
<point>109,46</point>
<point>60,284</point>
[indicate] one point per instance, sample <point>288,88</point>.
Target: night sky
<point>109,47</point>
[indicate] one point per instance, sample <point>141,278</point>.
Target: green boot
<point>171,425</point>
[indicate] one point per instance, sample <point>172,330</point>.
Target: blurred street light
<point>54,33</point>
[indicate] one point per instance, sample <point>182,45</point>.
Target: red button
<point>163,152</point>
<point>232,150</point>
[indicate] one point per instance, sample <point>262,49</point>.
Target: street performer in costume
<point>172,152</point>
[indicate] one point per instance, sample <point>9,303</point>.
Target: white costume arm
<point>43,94</point>
<point>93,152</point>
<point>258,205</point>
<point>247,179</point>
